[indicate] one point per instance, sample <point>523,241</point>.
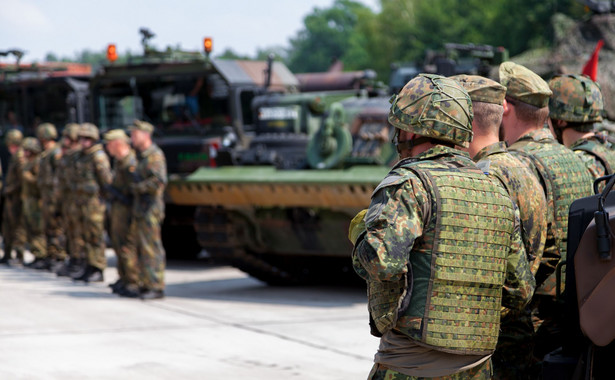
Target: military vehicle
<point>454,59</point>
<point>197,105</point>
<point>30,94</point>
<point>281,212</point>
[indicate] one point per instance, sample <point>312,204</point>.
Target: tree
<point>330,34</point>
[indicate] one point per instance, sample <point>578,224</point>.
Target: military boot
<point>129,291</point>
<point>91,274</point>
<point>5,259</point>
<point>19,255</point>
<point>78,269</point>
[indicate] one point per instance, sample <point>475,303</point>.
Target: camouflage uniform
<point>564,178</point>
<point>47,183</point>
<point>13,230</point>
<point>122,228</point>
<point>92,175</point>
<point>441,250</point>
<point>513,353</point>
<point>577,100</point>
<point>67,166</point>
<point>32,202</point>
<point>150,180</point>
<point>597,153</point>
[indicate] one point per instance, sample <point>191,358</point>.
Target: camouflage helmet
<point>576,98</point>
<point>89,130</point>
<point>31,144</point>
<point>71,131</point>
<point>13,137</point>
<point>46,131</point>
<point>434,106</point>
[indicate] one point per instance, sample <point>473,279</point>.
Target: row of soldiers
<point>461,284</point>
<point>56,198</point>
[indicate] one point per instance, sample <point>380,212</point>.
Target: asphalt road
<point>215,323</point>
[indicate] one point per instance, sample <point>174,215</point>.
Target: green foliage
<point>330,34</point>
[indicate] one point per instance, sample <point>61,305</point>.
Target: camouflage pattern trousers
<point>91,215</point>
<point>54,229</point>
<point>13,230</point>
<point>33,222</point>
<point>150,251</point>
<point>122,234</point>
<point>482,371</point>
<point>72,226</point>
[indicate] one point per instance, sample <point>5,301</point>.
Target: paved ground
<point>214,323</point>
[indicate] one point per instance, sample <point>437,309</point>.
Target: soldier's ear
<point>506,107</point>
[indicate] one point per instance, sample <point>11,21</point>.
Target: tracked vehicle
<point>281,212</point>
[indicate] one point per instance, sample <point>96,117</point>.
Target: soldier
<point>150,180</point>
<point>71,151</point>
<point>440,245</point>
<point>121,226</point>
<point>13,231</point>
<point>514,350</point>
<point>32,204</point>
<point>47,183</point>
<point>562,174</point>
<point>574,109</point>
<point>93,175</point>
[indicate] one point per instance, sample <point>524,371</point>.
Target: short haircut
<point>487,117</point>
<point>528,113</point>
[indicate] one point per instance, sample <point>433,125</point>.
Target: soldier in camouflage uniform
<point>563,175</point>
<point>440,245</point>
<point>150,180</point>
<point>574,109</point>
<point>93,175</point>
<point>71,151</point>
<point>121,226</point>
<point>32,204</point>
<point>47,183</point>
<point>13,231</point>
<point>514,350</point>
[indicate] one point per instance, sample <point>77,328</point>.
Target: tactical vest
<point>85,179</point>
<point>31,189</point>
<point>458,269</point>
<point>566,179</point>
<point>605,155</point>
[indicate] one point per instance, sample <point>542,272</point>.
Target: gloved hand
<point>357,226</point>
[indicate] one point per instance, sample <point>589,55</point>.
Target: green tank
<point>280,210</point>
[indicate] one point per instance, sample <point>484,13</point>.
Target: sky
<point>66,27</point>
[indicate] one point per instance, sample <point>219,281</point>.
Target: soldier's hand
<point>28,176</point>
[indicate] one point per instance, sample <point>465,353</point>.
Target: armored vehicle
<point>55,92</point>
<point>281,213</point>
<point>196,104</point>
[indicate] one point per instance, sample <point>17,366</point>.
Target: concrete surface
<point>214,323</point>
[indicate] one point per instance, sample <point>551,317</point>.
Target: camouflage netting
<point>574,44</point>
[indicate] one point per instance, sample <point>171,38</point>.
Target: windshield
<point>175,104</point>
<point>26,105</point>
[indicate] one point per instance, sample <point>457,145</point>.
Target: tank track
<point>224,233</point>
<point>221,232</point>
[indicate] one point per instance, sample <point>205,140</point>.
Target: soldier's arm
<point>393,222</point>
<point>156,177</point>
<point>103,170</point>
<point>519,284</point>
